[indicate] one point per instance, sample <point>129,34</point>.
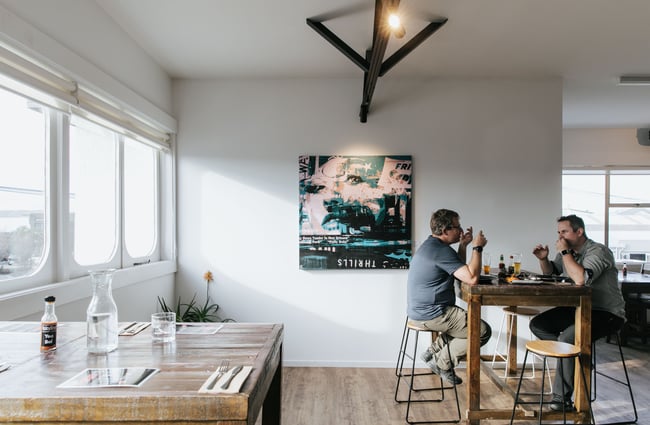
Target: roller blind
<point>42,83</point>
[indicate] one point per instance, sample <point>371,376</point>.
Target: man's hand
<point>480,239</point>
<point>541,252</point>
<point>466,237</point>
<point>561,244</point>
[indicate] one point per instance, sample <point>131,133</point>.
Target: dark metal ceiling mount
<point>374,65</point>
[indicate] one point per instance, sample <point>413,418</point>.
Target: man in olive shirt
<point>587,263</point>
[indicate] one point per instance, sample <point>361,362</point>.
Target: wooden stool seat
<point>553,349</point>
<point>419,327</point>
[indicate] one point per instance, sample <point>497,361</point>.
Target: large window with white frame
<point>615,205</point>
<point>72,193</point>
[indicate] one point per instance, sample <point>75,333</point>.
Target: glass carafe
<point>101,316</point>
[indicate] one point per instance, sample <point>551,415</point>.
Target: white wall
<point>490,149</point>
<point>594,147</point>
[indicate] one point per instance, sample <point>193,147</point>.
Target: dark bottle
<point>624,269</point>
<point>48,326</point>
<point>502,264</point>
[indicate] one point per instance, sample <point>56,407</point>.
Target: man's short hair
<point>442,220</point>
<point>575,222</point>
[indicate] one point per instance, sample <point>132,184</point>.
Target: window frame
<point>607,172</point>
<point>58,264</point>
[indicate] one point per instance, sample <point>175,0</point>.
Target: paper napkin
<point>235,385</point>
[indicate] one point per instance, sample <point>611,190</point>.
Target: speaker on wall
<point>643,136</point>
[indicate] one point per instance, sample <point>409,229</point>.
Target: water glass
<point>487,263</point>
<point>517,263</point>
<point>163,326</point>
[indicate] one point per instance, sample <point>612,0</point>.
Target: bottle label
<point>48,336</point>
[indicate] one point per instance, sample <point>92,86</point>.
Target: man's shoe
<point>447,375</point>
<point>557,403</point>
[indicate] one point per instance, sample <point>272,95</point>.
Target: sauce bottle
<point>48,326</point>
<point>502,264</point>
<point>624,269</point>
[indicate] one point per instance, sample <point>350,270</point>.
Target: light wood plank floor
<point>364,396</point>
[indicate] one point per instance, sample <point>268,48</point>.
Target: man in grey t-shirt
<point>587,263</point>
<point>431,297</point>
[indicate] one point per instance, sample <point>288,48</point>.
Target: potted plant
<point>194,311</point>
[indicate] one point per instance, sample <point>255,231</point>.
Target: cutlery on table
<point>129,326</point>
<point>4,366</point>
<point>234,373</point>
<point>223,367</point>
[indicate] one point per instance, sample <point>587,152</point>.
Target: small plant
<point>193,311</point>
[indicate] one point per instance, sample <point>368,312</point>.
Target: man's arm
<point>575,271</point>
<point>471,272</point>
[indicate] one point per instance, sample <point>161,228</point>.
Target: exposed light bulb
<point>394,21</point>
<point>396,25</point>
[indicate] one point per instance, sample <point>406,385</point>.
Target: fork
<point>223,367</point>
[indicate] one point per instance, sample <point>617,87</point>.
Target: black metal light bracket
<point>374,65</point>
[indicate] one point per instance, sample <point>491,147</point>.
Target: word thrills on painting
<point>355,212</point>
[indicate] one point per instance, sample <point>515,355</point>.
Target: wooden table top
<point>29,393</point>
<point>555,294</point>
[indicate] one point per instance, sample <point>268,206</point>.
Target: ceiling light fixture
<point>374,65</point>
<point>634,80</point>
<point>396,26</point>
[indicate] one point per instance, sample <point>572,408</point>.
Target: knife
<point>234,373</point>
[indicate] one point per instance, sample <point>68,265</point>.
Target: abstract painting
<point>355,211</point>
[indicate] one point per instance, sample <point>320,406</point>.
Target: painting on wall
<point>355,212</point>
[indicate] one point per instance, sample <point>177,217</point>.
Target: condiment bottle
<point>48,326</point>
<point>624,269</point>
<point>511,265</point>
<point>502,264</point>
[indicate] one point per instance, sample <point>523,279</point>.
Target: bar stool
<point>557,350</point>
<point>508,318</point>
<point>625,383</point>
<point>413,327</point>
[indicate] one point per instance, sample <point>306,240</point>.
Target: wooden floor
<point>364,396</point>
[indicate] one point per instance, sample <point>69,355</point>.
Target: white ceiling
<point>588,43</point>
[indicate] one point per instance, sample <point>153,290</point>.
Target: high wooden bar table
<point>547,294</point>
<point>29,393</point>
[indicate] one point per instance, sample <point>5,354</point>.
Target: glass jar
<point>101,316</point>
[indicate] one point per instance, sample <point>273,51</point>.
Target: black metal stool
<point>409,327</point>
<point>625,383</point>
<point>557,350</point>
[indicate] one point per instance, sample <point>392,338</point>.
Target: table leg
<point>474,357</point>
<point>512,346</point>
<point>272,408</point>
<point>583,340</point>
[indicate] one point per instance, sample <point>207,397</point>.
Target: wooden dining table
<point>547,294</point>
<point>30,392</point>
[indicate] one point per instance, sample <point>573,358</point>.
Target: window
<point>615,205</point>
<point>93,193</point>
<point>109,215</point>
<point>23,186</point>
<point>140,200</point>
<point>82,177</point>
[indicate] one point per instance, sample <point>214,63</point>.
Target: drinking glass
<point>163,326</point>
<point>487,262</point>
<point>517,263</point>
